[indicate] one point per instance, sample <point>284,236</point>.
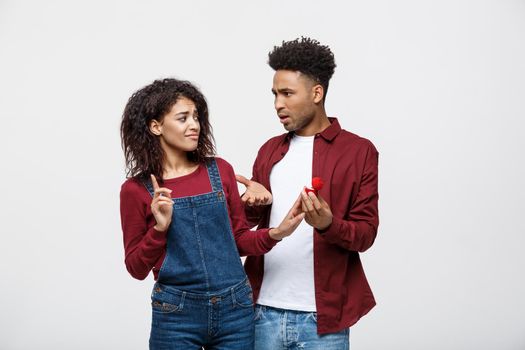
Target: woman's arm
<point>143,245</point>
<point>260,241</point>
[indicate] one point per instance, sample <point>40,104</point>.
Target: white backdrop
<point>438,86</point>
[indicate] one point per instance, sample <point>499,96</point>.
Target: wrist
<point>275,234</point>
<point>160,228</point>
<point>324,228</point>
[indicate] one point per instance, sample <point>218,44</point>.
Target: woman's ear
<point>155,127</point>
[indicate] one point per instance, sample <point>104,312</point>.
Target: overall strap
<point>213,174</point>
<point>149,187</point>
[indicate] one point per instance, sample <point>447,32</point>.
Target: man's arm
<point>357,231</point>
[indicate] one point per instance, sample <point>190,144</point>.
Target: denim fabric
<point>278,329</point>
<point>201,254</point>
<point>219,321</point>
<point>202,297</point>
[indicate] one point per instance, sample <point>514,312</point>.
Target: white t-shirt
<point>288,281</point>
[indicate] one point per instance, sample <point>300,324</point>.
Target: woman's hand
<point>161,206</point>
<point>289,223</point>
<point>256,194</point>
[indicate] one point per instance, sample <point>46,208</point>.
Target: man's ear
<point>155,127</point>
<point>318,92</point>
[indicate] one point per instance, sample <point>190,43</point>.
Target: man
<point>311,287</point>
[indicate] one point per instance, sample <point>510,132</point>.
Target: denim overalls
<point>202,296</point>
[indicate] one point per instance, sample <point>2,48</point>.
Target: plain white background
<point>438,86</point>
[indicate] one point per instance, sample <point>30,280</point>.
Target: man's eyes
<point>285,93</point>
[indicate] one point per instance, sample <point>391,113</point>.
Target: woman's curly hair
<point>307,56</point>
<point>142,150</point>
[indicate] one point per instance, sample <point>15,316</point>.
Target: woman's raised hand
<point>161,206</point>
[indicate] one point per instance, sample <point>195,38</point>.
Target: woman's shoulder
<point>222,163</point>
<point>132,187</point>
<point>225,170</point>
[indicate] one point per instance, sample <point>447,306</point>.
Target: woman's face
<point>179,129</point>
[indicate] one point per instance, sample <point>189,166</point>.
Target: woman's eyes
<point>183,119</point>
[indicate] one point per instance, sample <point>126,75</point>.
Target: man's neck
<point>319,123</point>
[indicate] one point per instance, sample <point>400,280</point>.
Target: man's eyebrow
<point>282,89</point>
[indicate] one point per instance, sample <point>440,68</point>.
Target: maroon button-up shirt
<point>347,164</point>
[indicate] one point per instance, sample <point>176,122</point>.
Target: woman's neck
<point>177,164</point>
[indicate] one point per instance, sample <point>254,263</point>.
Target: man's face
<point>294,99</point>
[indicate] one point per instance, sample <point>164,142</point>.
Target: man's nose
<point>278,104</point>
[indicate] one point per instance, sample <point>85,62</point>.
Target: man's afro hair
<point>307,56</point>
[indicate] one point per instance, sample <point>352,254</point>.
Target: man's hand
<point>289,223</point>
<point>256,194</point>
<point>317,212</point>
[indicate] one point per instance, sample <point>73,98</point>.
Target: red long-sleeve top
<point>145,247</point>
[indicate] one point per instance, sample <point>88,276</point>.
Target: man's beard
<point>299,124</point>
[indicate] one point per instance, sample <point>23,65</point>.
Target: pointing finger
<point>163,191</point>
<point>241,179</point>
<point>154,182</point>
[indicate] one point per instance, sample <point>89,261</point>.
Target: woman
<point>182,217</point>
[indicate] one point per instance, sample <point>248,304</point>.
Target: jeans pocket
<point>243,297</point>
<point>165,302</point>
<point>163,307</point>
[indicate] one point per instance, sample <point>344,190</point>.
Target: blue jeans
<point>278,329</point>
<point>219,321</point>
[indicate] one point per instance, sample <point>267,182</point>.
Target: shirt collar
<point>328,134</point>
